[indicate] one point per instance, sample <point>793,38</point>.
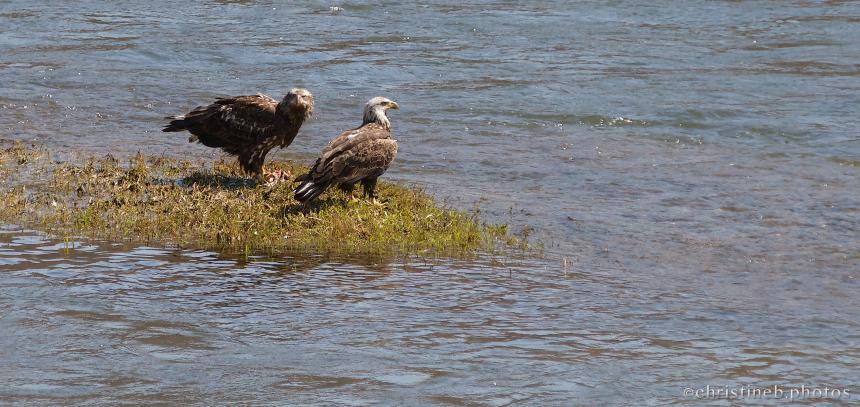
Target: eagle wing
<point>354,155</point>
<point>231,122</point>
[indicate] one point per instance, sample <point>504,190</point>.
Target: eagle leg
<point>261,177</point>
<point>349,188</point>
<point>252,162</point>
<point>369,185</point>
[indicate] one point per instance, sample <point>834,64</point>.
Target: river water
<point>692,169</point>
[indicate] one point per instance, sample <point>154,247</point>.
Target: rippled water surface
<point>693,169</point>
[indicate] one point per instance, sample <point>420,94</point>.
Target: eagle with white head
<point>358,155</point>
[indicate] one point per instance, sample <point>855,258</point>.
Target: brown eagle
<point>358,155</point>
<point>247,126</point>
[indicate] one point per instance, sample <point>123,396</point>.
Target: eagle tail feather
<point>193,122</point>
<point>177,123</point>
<point>309,190</point>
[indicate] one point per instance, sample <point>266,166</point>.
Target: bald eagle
<point>358,155</point>
<point>247,126</point>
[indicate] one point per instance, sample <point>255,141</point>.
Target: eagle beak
<point>394,105</point>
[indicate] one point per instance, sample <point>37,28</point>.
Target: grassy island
<point>172,202</point>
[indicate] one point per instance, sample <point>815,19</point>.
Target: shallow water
<point>693,171</point>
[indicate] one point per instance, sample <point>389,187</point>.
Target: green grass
<point>180,203</point>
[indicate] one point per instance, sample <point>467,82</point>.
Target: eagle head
<point>375,111</point>
<point>298,104</point>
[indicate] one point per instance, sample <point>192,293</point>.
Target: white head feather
<point>375,111</point>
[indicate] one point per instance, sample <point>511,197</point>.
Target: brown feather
<point>245,126</point>
<point>356,155</point>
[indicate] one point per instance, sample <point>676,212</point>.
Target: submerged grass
<point>176,202</point>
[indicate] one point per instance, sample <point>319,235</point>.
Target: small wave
<point>814,68</point>
<point>18,14</point>
<point>845,162</point>
<point>603,121</point>
<point>792,44</point>
<point>586,120</point>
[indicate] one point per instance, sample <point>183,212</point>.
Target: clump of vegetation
<point>175,202</point>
